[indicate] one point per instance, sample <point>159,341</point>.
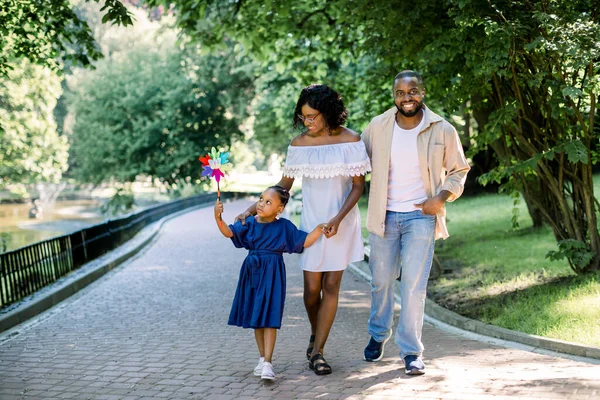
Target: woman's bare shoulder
<point>348,135</point>
<point>299,140</point>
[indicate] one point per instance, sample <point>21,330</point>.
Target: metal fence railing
<point>24,271</point>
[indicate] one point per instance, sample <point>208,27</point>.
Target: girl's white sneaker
<point>259,367</point>
<point>267,371</point>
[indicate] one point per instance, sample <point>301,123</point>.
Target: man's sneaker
<point>267,371</point>
<point>414,365</point>
<point>259,366</point>
<point>374,350</point>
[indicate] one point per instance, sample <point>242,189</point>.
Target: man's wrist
<point>444,195</point>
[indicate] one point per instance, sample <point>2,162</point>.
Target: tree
<point>277,94</point>
<point>32,150</point>
<point>47,31</point>
<point>527,71</point>
<point>543,96</point>
<point>152,109</point>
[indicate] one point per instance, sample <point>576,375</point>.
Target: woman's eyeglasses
<point>307,119</point>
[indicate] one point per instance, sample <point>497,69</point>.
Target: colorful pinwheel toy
<point>214,164</point>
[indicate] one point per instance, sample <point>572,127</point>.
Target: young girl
<point>260,293</point>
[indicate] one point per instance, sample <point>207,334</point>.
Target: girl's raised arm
<point>223,227</point>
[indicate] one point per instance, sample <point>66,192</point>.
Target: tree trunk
<point>537,218</point>
<point>535,213</point>
<point>537,151</point>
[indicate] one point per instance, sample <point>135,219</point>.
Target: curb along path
<point>439,315</point>
<point>155,327</point>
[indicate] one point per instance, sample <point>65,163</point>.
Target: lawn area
<point>501,276</point>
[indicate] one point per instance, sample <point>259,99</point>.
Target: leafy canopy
<point>48,31</point>
<point>153,107</point>
<point>31,149</point>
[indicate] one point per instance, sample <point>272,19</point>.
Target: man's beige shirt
<point>441,160</point>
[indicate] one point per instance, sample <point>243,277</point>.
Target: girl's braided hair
<point>284,194</point>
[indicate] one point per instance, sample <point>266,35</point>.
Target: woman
<point>332,161</point>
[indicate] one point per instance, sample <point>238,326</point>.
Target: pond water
<point>18,230</point>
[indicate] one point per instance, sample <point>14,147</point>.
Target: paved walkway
<point>156,328</point>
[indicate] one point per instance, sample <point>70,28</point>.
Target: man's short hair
<point>407,73</point>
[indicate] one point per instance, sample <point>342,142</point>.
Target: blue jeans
<point>406,249</point>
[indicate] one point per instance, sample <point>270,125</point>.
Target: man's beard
<point>412,113</point>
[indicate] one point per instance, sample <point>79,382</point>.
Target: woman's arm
<point>284,182</point>
<point>358,187</point>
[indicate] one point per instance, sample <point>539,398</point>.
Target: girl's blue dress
<point>260,293</point>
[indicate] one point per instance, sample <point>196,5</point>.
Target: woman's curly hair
<point>325,100</point>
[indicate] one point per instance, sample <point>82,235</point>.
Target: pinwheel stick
<point>219,198</point>
<point>213,165</point>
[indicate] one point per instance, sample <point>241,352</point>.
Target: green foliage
<point>121,203</point>
<point>576,252</point>
<point>296,46</point>
<point>46,31</point>
<point>565,309</point>
<point>186,188</point>
<point>575,151</point>
<point>5,238</point>
<point>543,97</point>
<point>116,13</point>
<point>499,275</point>
<point>273,111</point>
<point>32,151</point>
<point>515,210</point>
<point>152,109</point>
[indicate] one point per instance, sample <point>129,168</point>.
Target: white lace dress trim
<point>327,161</point>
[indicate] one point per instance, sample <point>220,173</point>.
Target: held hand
<point>431,206</point>
<point>242,217</point>
<point>332,227</point>
<point>322,228</point>
<point>218,209</point>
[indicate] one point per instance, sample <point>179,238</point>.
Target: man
<point>417,165</point>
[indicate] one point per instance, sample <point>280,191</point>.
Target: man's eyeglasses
<point>307,119</point>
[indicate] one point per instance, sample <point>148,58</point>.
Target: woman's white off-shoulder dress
<point>326,172</point>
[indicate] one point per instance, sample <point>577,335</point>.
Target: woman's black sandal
<point>319,365</point>
<point>311,344</point>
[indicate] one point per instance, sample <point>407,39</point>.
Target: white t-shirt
<point>405,185</point>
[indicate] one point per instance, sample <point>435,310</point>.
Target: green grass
<point>484,248</point>
<point>566,309</point>
<point>501,276</point>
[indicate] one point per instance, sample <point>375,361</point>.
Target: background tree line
<point>148,106</point>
